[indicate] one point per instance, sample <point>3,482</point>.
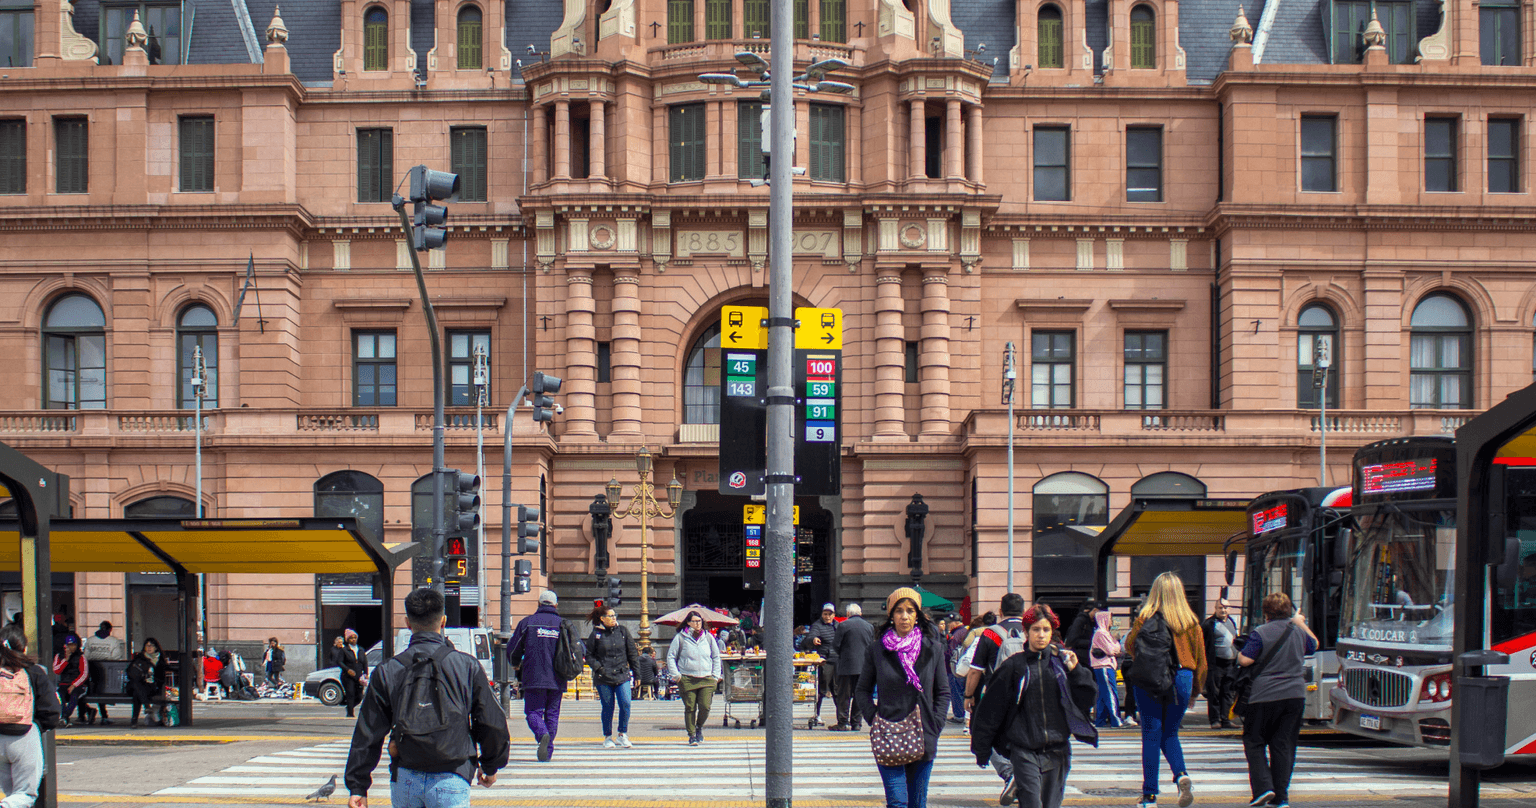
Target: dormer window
<point>1346,43</point>
<point>470,35</point>
<point>16,33</point>
<point>162,21</point>
<point>376,39</point>
<point>1143,39</point>
<point>1049,49</point>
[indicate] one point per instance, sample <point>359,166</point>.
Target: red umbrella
<point>712,618</point>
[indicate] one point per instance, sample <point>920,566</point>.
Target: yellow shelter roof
<point>1174,527</point>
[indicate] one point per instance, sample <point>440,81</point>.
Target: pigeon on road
<point>324,792</point>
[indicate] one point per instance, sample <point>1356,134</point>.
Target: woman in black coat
<point>612,655</point>
<point>906,666</point>
<point>146,673</point>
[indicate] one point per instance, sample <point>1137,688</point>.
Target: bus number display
<point>1402,475</point>
<point>820,432</point>
<point>1273,518</point>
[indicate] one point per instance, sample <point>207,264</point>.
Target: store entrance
<point>714,557</point>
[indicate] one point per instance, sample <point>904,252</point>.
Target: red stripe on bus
<point>1517,644</point>
<point>1528,749</point>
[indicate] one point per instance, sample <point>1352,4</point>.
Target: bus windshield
<point>1277,567</point>
<point>1401,578</point>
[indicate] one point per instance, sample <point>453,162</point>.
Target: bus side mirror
<point>1341,547</point>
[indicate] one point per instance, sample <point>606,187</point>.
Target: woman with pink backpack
<point>28,701</point>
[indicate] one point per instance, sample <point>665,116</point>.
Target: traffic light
<point>527,529</point>
<point>615,592</point>
<point>544,388</point>
<point>522,571</point>
<point>466,501</point>
<point>455,559</point>
<point>602,528</point>
<point>427,188</point>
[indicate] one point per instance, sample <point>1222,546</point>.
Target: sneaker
<point>698,736</point>
<point>1186,792</point>
<point>545,750</point>
<point>1007,796</point>
<point>624,741</point>
<point>1262,800</point>
<point>1282,804</point>
<point>1215,725</point>
<point>1147,801</point>
<point>1130,721</point>
<point>609,744</point>
<point>107,722</point>
<point>693,740</point>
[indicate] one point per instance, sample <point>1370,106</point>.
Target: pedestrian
<point>1080,635</point>
<point>532,654</point>
<point>354,667</point>
<point>101,645</point>
<point>1174,642</point>
<point>645,674</point>
<point>437,747</point>
<point>28,706</point>
<point>904,666</point>
<point>74,678</point>
<point>955,639</point>
<point>852,640</point>
<point>146,675</point>
<point>1128,705</point>
<point>212,666</point>
<point>820,638</point>
<point>611,653</point>
<point>1105,661</point>
<point>1037,701</point>
<point>1278,650</point>
<point>694,658</point>
<point>1220,632</point>
<point>995,643</point>
<point>274,659</point>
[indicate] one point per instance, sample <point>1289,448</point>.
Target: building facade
<point>1163,207</point>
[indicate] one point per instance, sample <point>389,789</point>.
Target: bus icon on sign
<point>828,320</point>
<point>734,319</point>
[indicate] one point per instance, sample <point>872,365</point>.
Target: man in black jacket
<point>1080,635</point>
<point>821,639</point>
<point>465,693</point>
<point>354,666</point>
<point>851,643</point>
<point>1221,647</point>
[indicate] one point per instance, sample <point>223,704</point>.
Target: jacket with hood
<point>612,654</point>
<point>884,675</point>
<point>532,649</point>
<point>700,657</point>
<point>1080,634</point>
<point>827,633</point>
<point>71,670</point>
<point>1034,704</point>
<point>1106,649</point>
<point>46,709</point>
<point>276,659</point>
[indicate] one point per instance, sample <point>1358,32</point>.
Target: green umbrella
<point>932,601</point>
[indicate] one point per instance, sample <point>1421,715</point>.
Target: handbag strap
<point>1270,651</point>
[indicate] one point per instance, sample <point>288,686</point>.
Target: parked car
<point>325,683</point>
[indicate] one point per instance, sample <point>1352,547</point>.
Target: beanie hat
<point>898,595</point>
<point>548,596</point>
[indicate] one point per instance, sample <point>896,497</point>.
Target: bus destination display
<point>1398,476</point>
<point>1271,518</point>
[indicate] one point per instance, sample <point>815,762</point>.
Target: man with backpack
<point>437,710</point>
<point>994,645</point>
<point>541,641</point>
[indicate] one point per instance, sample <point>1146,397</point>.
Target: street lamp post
<point>644,506</point>
<point>1321,362</point>
<point>199,390</point>
<point>481,377</point>
<point>1010,376</point>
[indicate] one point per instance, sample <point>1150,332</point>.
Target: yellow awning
<point>1174,527</point>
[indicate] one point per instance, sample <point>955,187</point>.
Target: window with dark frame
<point>375,39</point>
<point>1143,38</point>
<point>161,21</point>
<point>1347,41</point>
<point>1316,328</point>
<point>910,372</point>
<point>686,135</point>
<point>471,32</point>
<point>13,156</point>
<point>933,145</point>
<point>1440,355</point>
<point>16,33</point>
<point>1053,176</point>
<point>375,165</point>
<point>198,327</point>
<point>1146,369</point>
<point>374,378</point>
<point>1440,168</point>
<point>74,355</point>
<point>1498,23</point>
<point>701,378</point>
<point>461,365</point>
<point>195,141</point>
<point>1052,373</point>
<point>827,143</point>
<point>749,140</point>
<point>467,158</point>
<point>72,162</point>
<point>1319,142</point>
<point>1144,164</point>
<point>1503,155</point>
<point>604,363</point>
<point>1048,48</point>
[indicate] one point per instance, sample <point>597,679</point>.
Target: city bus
<point>1295,544</point>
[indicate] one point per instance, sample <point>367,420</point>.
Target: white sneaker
<point>624,741</point>
<point>609,744</point>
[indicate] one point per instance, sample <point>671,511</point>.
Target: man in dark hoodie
<point>532,653</point>
<point>1035,703</point>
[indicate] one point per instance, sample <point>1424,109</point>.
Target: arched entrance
<point>714,558</point>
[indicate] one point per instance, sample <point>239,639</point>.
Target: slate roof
<point>990,23</point>
<point>314,35</point>
<point>1296,37</point>
<point>423,35</point>
<point>1097,24</point>
<point>531,22</point>
<point>217,35</point>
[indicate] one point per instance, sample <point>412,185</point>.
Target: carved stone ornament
<point>277,32</point>
<point>72,45</point>
<point>136,38</point>
<point>913,236</point>
<point>601,237</point>
<point>1375,36</point>
<point>1242,32</point>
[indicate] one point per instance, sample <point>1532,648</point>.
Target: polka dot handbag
<point>897,743</point>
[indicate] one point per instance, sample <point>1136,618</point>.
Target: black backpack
<point>431,732</point>
<point>1155,659</point>
<point>569,653</point>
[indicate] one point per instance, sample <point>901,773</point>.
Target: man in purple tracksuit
<point>532,653</point>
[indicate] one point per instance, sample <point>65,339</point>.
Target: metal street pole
<point>778,585</point>
<point>439,530</point>
<point>1321,361</point>
<point>481,378</point>
<point>506,543</point>
<point>199,383</point>
<point>1010,375</point>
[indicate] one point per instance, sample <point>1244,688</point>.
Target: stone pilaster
<point>890,359</point>
<point>626,359</point>
<point>597,142</point>
<point>933,357</point>
<point>580,415</point>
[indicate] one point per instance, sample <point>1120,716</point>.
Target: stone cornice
<point>1426,75</point>
<point>1480,219</point>
<point>24,80</point>
<point>156,217</point>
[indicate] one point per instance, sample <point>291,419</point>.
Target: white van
<point>325,684</point>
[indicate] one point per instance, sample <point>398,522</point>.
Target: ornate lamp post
<point>644,506</point>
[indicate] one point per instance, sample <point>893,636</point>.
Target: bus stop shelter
<point>1167,526</point>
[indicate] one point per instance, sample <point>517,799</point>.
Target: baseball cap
<point>549,596</point>
<point>827,607</point>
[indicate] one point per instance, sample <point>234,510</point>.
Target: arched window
<point>1067,508</point>
<point>1317,334</point>
<point>834,21</point>
<point>352,493</point>
<point>679,21</point>
<point>1049,51</point>
<point>74,355</point>
<point>701,379</point>
<point>376,39</point>
<point>1167,484</point>
<point>1143,39</point>
<point>470,38</point>
<point>161,507</point>
<point>197,328</point>
<point>1440,356</point>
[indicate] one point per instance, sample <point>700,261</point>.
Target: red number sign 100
<point>820,367</point>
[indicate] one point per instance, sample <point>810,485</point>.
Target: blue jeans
<point>414,789</point>
<point>1106,711</point>
<point>906,786</point>
<point>608,693</point>
<point>1160,730</point>
<point>957,695</point>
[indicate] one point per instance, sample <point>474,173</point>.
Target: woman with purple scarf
<point>906,666</point>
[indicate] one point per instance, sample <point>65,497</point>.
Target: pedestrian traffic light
<point>466,501</point>
<point>522,571</point>
<point>427,188</point>
<point>544,388</point>
<point>615,592</point>
<point>455,559</point>
<point>527,529</point>
<point>602,527</point>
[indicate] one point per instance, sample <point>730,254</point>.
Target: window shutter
<point>677,137</point>
<point>696,144</point>
<point>717,23</point>
<point>376,46</point>
<point>1050,43</point>
<point>72,167</point>
<point>757,22</point>
<point>749,141</point>
<point>1143,45</point>
<point>469,44</point>
<point>802,19</point>
<point>386,175</point>
<point>13,157</point>
<point>834,21</point>
<point>837,142</point>
<point>478,168</point>
<point>679,21</point>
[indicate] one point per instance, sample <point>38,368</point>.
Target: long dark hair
<point>13,648</point>
<point>596,615</point>
<point>924,625</point>
<point>689,616</point>
<point>159,649</point>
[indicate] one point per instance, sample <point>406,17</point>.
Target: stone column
<point>540,147</point>
<point>933,358</point>
<point>918,142</point>
<point>625,358</point>
<point>855,141</point>
<point>562,140</point>
<point>973,144</point>
<point>890,358</point>
<point>597,141</point>
<point>954,141</point>
<point>580,357</point>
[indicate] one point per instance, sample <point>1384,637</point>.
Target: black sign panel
<point>743,420</point>
<point>752,568</point>
<point>818,421</point>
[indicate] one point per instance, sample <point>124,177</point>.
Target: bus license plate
<point>1370,722</point>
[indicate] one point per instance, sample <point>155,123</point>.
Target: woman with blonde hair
<point>1170,640</point>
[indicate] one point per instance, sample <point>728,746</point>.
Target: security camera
<point>532,49</point>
